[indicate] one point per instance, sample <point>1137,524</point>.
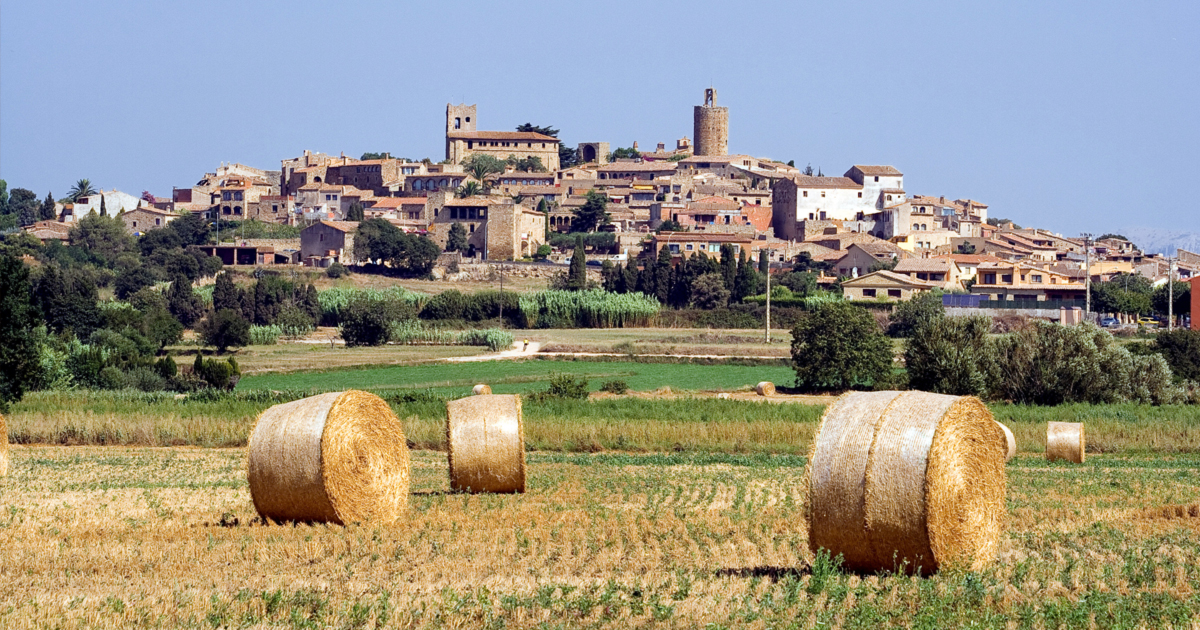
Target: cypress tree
<point>103,207</point>
<point>577,276</point>
<point>662,275</point>
<point>764,263</point>
<point>728,265</point>
<point>746,283</point>
<point>48,213</point>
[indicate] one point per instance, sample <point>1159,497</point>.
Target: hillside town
<point>509,193</point>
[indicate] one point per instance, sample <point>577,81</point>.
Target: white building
<point>862,194</point>
<point>114,202</point>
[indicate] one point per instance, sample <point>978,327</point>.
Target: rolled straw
<point>485,443</point>
<point>1065,440</point>
<point>481,389</point>
<point>906,481</point>
<point>1010,442</point>
<point>765,388</point>
<point>338,458</point>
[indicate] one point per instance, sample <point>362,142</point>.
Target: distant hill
<point>1160,241</point>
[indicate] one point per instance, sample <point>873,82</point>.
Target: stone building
<point>863,193</point>
<point>884,285</point>
<point>326,242</point>
<point>594,153</point>
<point>711,126</point>
<point>142,220</point>
<point>463,140</point>
<point>499,229</point>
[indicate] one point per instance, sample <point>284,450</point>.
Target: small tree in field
<point>948,355</point>
<point>224,329</point>
<point>838,347</point>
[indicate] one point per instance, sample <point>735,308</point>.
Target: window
<point>453,213</point>
<point>689,247</point>
<point>889,197</point>
<point>893,292</point>
<point>822,193</point>
<point>876,178</point>
<point>237,195</point>
<point>1037,277</point>
<point>804,194</point>
<point>472,228</point>
<point>226,196</point>
<point>989,278</point>
<point>1006,278</point>
<point>158,222</point>
<point>860,196</point>
<point>274,207</point>
<point>868,292</point>
<point>135,224</point>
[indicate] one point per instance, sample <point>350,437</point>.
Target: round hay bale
<point>481,389</point>
<point>334,458</point>
<point>1065,440</point>
<point>906,481</point>
<point>765,388</point>
<point>723,396</point>
<point>3,447</point>
<point>1010,442</point>
<point>486,444</point>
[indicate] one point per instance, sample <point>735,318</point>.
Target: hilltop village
<point>501,196</point>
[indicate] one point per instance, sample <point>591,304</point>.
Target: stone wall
<point>711,130</point>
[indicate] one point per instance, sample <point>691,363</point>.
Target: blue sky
<point>1074,116</point>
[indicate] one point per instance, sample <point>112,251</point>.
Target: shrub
<point>567,386</point>
<point>493,338</point>
<point>217,374</point>
<point>1181,349</point>
<point>294,322</point>
<point>224,329</point>
<point>947,355</point>
<point>616,386</point>
<point>445,305</point>
<point>839,347</point>
<point>709,291</point>
<point>367,319</point>
<point>337,270</point>
<point>1050,364</point>
<point>923,307</point>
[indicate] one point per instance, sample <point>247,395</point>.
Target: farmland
<point>167,537</point>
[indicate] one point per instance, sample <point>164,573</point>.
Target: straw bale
<point>765,388</point>
<point>486,444</point>
<point>906,481</point>
<point>1065,440</point>
<point>723,395</point>
<point>339,458</point>
<point>481,389</point>
<point>1010,442</point>
<point>3,446</point>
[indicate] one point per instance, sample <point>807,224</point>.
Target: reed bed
<point>588,309</point>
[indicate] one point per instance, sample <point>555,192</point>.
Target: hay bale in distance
<point>3,447</point>
<point>765,388</point>
<point>906,480</point>
<point>486,444</point>
<point>334,458</point>
<point>1065,440</point>
<point>1009,441</point>
<point>723,396</point>
<point>481,389</point>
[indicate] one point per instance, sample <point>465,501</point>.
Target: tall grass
<point>335,299</point>
<point>588,309</point>
<point>265,335</point>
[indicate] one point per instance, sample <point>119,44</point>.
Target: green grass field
<point>515,377</point>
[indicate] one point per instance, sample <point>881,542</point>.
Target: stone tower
<point>460,118</point>
<point>711,128</point>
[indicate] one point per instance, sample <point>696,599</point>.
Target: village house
<point>968,264</point>
<point>142,220</point>
<point>463,140</point>
<point>234,193</point>
<point>326,242</point>
<point>497,229</point>
<point>884,285</point>
<point>861,191</point>
<point>273,209</point>
<point>512,183</point>
<point>941,272</point>
<point>1024,282</point>
<point>860,257</point>
<point>114,202</point>
<point>686,244</point>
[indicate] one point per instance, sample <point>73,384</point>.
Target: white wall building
<point>114,202</point>
<point>864,191</point>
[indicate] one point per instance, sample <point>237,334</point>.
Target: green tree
<point>19,364</point>
<point>184,304</point>
<point>838,347</point>
<point>623,153</point>
<point>728,264</point>
<point>746,282</point>
<point>103,206</point>
<point>67,299</point>
<point>160,327</point>
<point>708,291</point>
<point>24,205</point>
<point>191,229</point>
<point>375,156</point>
<point>456,241</point>
<point>592,213</point>
<point>48,213</point>
<point>1181,349</point>
<point>764,262</point>
<point>577,275</point>
<point>544,208</point>
<point>948,355</point>
<point>1182,302</point>
<point>355,212</point>
<point>481,165</point>
<point>966,247</point>
<point>567,156</point>
<point>662,276</point>
<point>103,236</point>
<point>531,128</point>
<point>82,188</point>
<point>224,329</point>
<point>670,225</point>
<point>226,294</point>
<point>3,197</point>
<point>908,314</point>
<point>133,280</point>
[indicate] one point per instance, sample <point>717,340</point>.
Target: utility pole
<point>1171,294</point>
<point>501,296</point>
<point>768,335</point>
<point>1087,278</point>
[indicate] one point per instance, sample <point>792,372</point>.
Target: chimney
<point>662,147</point>
<point>635,147</point>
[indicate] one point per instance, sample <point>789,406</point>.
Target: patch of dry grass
<point>167,537</point>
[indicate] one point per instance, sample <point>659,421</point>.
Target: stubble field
<point>168,537</point>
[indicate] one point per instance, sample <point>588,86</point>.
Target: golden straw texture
<point>765,388</point>
<point>906,481</point>
<point>3,446</point>
<point>338,458</point>
<point>1010,442</point>
<point>837,469</point>
<point>486,444</point>
<point>1065,440</point>
<point>481,389</point>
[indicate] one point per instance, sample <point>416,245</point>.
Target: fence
<point>981,301</point>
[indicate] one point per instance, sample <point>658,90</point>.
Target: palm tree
<point>82,188</point>
<point>468,189</point>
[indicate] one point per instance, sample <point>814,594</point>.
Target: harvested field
<point>167,537</point>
